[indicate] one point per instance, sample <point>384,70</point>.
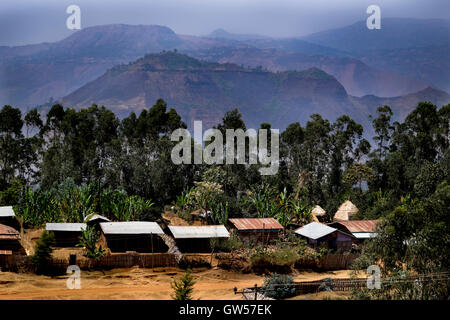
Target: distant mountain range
<point>357,77</point>
<point>417,48</point>
<point>274,80</point>
<point>201,90</point>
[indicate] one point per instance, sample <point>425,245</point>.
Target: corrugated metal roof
<point>96,217</point>
<point>131,227</point>
<point>315,230</point>
<point>197,232</point>
<point>8,233</point>
<point>7,211</point>
<point>358,225</point>
<point>72,227</point>
<point>364,235</point>
<point>256,224</point>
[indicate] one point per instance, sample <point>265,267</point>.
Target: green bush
<point>228,245</point>
<point>279,260</point>
<point>42,253</point>
<point>88,240</point>
<point>279,286</point>
<point>184,287</point>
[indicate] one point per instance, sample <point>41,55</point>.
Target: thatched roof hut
<point>317,213</point>
<point>345,212</point>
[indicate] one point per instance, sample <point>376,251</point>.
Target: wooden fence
<point>17,263</point>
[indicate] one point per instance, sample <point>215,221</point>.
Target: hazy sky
<point>34,21</point>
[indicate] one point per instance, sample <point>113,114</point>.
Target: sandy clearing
<point>136,283</point>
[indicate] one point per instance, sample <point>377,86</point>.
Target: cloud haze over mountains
<point>287,67</point>
<point>38,21</point>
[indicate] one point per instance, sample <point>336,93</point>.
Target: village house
<point>137,236</point>
<point>256,229</point>
<point>8,217</point>
<point>66,234</point>
<point>10,241</point>
<point>197,238</point>
<point>319,235</point>
<point>360,229</point>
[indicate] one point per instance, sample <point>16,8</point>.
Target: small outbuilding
<point>319,214</point>
<point>197,238</point>
<point>345,212</point>
<point>256,229</point>
<point>66,234</point>
<point>95,220</point>
<point>138,236</point>
<point>360,229</point>
<point>8,217</point>
<point>10,241</point>
<point>320,235</point>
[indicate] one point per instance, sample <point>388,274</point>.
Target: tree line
<point>90,156</point>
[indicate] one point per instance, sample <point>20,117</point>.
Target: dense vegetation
<point>72,164</point>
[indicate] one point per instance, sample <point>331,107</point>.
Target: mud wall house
<point>66,234</point>
<point>10,241</point>
<point>319,235</point>
<point>8,217</point>
<point>197,239</point>
<point>360,229</point>
<point>256,229</point>
<point>138,236</point>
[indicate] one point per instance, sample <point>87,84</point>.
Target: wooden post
<point>151,239</point>
<point>256,291</point>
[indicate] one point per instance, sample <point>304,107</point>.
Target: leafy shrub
<point>279,286</point>
<point>88,240</point>
<point>279,260</point>
<point>228,245</point>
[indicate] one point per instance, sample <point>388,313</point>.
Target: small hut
<point>66,234</point>
<point>320,235</point>
<point>318,214</point>
<point>8,217</point>
<point>197,238</point>
<point>95,220</point>
<point>138,236</point>
<point>345,212</point>
<point>360,229</point>
<point>10,241</point>
<point>257,229</point>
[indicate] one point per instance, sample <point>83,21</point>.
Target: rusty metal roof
<point>8,233</point>
<point>197,232</point>
<point>358,225</point>
<point>256,224</point>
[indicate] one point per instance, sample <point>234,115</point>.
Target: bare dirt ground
<point>145,284</point>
